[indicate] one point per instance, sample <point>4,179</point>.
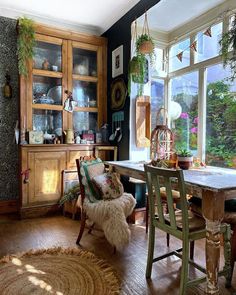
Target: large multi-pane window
<point>208,47</point>
<point>220,118</point>
<point>202,121</point>
<point>176,63</point>
<point>157,99</point>
<point>184,91</point>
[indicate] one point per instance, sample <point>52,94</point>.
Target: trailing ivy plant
<point>25,43</point>
<point>137,72</point>
<point>228,49</point>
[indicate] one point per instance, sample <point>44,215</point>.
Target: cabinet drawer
<point>73,155</point>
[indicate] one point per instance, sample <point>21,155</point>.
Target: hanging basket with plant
<point>145,43</point>
<point>228,49</point>
<point>138,72</point>
<point>25,43</point>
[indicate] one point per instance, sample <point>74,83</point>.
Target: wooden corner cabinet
<point>62,61</point>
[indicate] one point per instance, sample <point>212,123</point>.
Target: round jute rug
<point>57,271</point>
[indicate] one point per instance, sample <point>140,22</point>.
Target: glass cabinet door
<point>85,69</point>
<point>84,121</point>
<point>47,56</point>
<point>47,90</point>
<point>84,62</point>
<point>49,82</point>
<point>85,93</point>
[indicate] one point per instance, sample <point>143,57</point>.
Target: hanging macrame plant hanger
<point>144,42</point>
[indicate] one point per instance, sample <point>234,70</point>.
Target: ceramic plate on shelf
<point>44,100</point>
<point>55,93</point>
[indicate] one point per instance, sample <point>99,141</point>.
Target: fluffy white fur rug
<point>111,216</point>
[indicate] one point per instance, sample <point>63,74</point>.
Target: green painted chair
<point>182,224</point>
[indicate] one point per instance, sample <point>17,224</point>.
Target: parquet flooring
<point>22,235</point>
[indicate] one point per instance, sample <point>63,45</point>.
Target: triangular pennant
<point>208,32</point>
<point>180,56</point>
<point>193,46</point>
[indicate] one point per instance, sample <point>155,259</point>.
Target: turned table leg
<point>213,211</point>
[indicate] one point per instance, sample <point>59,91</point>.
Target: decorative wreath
<point>118,94</point>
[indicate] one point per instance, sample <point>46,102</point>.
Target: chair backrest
<point>101,150</point>
<point>78,164</point>
<point>160,177</point>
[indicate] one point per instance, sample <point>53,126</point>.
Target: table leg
<point>212,256</point>
<point>213,211</point>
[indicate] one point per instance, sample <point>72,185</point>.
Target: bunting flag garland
<point>180,56</point>
<point>193,46</point>
<point>208,32</point>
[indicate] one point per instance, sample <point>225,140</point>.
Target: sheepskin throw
<point>111,216</point>
<point>111,213</point>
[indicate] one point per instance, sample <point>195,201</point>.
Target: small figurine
<point>45,65</point>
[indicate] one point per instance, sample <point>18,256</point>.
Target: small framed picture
<point>117,61</point>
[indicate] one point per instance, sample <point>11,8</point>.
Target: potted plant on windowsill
<point>185,159</point>
<point>228,49</point>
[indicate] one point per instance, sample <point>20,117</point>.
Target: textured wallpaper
<point>9,112</point>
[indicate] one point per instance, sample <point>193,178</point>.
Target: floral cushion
<point>88,170</point>
<point>108,185</point>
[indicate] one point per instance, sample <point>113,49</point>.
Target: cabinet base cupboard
<point>63,62</point>
<point>41,179</point>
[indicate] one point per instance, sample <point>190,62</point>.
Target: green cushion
<point>88,170</point>
<point>230,205</point>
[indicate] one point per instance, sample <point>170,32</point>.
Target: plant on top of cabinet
<point>25,43</point>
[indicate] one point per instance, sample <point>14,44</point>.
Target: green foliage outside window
<point>220,125</point>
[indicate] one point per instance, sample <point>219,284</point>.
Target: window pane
<point>184,112</point>
<point>157,99</point>
<point>174,62</point>
<point>157,68</point>
<point>221,118</point>
<point>208,47</point>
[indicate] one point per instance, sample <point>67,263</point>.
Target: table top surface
<point>214,178</point>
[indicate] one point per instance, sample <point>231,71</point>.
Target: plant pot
<point>146,47</point>
<point>134,65</point>
<point>185,162</point>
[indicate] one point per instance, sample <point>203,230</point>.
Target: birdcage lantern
<point>161,139</point>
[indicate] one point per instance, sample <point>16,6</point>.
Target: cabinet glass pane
<point>47,57</point>
<point>47,90</point>
<point>84,62</point>
<point>83,121</point>
<point>85,93</point>
<point>49,121</point>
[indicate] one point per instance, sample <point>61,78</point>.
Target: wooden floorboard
<point>22,235</point>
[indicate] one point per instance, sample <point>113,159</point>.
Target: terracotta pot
<point>185,162</point>
<point>146,47</point>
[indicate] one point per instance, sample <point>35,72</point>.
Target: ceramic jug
<point>69,136</point>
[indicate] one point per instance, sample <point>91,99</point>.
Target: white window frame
<point>202,83</point>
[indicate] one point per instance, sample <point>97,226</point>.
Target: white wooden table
<point>214,186</point>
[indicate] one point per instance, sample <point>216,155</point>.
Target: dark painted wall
<point>120,34</point>
<point>9,110</point>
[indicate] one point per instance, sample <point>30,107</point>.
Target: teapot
<point>69,136</point>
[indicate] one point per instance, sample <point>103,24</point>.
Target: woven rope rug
<point>56,271</point>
